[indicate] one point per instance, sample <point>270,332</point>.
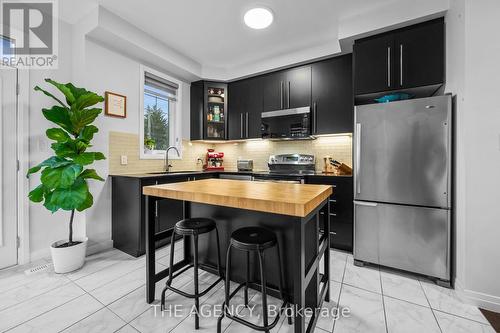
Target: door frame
<point>23,225</point>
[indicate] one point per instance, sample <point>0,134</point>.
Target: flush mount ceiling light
<point>258,18</point>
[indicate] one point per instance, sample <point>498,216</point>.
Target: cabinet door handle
<point>281,95</point>
<point>288,94</point>
<point>246,124</point>
<point>401,65</point>
<point>388,66</point>
<point>315,118</point>
<point>241,125</point>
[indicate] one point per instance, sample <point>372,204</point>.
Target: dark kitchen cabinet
<point>197,106</point>
<point>341,209</point>
<point>128,211</point>
<point>298,87</point>
<point>274,91</point>
<point>208,110</point>
<point>373,64</point>
<point>421,56</point>
<point>332,97</point>
<point>245,105</point>
<point>406,58</point>
<point>287,89</point>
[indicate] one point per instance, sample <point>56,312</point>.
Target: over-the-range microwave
<point>287,124</point>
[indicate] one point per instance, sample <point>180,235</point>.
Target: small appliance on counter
<point>244,165</point>
<point>332,166</point>
<point>213,161</point>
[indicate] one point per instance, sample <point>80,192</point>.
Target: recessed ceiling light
<point>258,18</point>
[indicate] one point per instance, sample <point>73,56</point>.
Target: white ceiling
<point>212,33</point>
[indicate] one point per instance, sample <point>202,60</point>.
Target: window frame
<point>175,118</point>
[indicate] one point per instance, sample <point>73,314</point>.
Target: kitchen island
<point>297,213</point>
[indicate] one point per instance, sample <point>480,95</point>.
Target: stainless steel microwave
<point>287,124</point>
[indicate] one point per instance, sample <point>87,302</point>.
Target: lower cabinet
<point>129,216</point>
<point>341,209</point>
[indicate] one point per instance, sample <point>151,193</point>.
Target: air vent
<point>37,269</point>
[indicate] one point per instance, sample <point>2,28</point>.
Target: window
<point>159,122</point>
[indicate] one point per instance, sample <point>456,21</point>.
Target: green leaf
<point>72,197</point>
<point>65,149</point>
<point>77,92</point>
<point>70,98</point>
<point>81,118</point>
<point>62,177</point>
<point>36,195</point>
<point>90,173</point>
<point>86,100</point>
<point>53,162</point>
<point>89,201</point>
<point>60,116</point>
<point>81,146</point>
<point>88,132</point>
<point>37,88</point>
<point>99,156</point>
<point>33,170</point>
<point>57,134</point>
<point>88,158</point>
<point>49,204</point>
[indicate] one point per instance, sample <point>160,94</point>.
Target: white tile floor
<point>108,295</point>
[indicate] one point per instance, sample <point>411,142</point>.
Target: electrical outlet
<point>123,160</point>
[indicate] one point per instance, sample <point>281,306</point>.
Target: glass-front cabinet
<point>215,111</point>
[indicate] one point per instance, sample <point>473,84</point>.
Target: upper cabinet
<point>208,110</point>
<point>406,58</point>
<point>245,105</point>
<point>325,87</point>
<point>332,98</point>
<point>287,89</point>
<point>298,87</point>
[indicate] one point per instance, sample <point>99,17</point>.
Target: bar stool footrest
<point>238,319</point>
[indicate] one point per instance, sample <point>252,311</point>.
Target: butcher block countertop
<point>278,198</point>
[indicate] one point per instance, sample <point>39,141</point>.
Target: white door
<point>8,167</point>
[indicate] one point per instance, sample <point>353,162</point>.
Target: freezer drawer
<point>403,152</point>
<point>410,238</point>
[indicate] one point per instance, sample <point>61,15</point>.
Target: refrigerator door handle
<point>358,157</point>
<point>364,203</point>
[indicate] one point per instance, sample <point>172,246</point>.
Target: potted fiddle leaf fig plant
<point>64,175</point>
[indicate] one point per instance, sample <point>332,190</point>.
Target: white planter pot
<point>67,259</point>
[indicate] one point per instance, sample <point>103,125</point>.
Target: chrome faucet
<point>167,164</point>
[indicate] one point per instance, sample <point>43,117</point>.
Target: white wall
<point>96,68</point>
<point>45,227</point>
<point>482,128</point>
<point>107,70</point>
<point>474,75</point>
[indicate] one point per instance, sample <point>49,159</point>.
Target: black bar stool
<point>252,239</point>
<point>192,227</point>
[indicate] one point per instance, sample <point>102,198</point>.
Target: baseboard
<point>95,247</point>
<point>481,300</point>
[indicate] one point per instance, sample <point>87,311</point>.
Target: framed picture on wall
<point>115,105</point>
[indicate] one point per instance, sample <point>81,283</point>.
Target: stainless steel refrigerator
<point>402,185</point>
